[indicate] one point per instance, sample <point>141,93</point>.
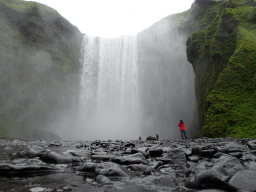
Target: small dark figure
<point>140,138</point>
<point>182,129</point>
<point>157,137</point>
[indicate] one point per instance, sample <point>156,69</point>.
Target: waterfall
<point>109,95</point>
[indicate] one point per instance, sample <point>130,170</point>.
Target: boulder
<point>150,138</point>
<point>244,180</point>
<point>19,170</point>
<point>136,158</point>
<point>111,169</point>
<point>137,167</point>
<point>252,144</point>
<point>46,155</point>
<point>146,154</point>
<point>156,152</point>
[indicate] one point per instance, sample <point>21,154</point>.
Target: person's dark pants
<point>183,133</point>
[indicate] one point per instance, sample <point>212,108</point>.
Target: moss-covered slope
<point>39,52</point>
<point>223,55</point>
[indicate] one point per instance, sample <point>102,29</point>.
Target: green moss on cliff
<point>223,56</point>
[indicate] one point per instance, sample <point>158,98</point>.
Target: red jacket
<point>182,126</point>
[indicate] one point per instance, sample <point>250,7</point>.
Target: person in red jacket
<point>182,129</point>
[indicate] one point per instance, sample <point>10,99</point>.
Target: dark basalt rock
<point>156,152</point>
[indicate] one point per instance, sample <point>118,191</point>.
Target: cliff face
<point>222,51</point>
<point>40,52</point>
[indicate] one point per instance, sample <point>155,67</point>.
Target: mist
<point>133,86</point>
<point>166,82</point>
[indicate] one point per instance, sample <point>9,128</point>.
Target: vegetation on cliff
<point>222,50</point>
<point>40,53</point>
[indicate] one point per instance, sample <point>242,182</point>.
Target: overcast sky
<point>112,18</point>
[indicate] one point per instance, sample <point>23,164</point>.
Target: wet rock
<point>130,159</point>
<point>56,158</point>
<point>46,155</point>
<point>103,157</point>
<point>208,152</point>
<point>252,144</point>
<point>80,153</point>
<point>32,151</point>
<point>236,154</point>
<point>236,147</point>
<point>26,170</point>
<point>219,154</point>
<point>194,158</point>
<point>138,167</point>
<point>111,169</point>
<point>156,152</point>
<point>226,167</point>
<point>205,180</point>
<point>103,179</point>
<point>157,164</point>
<point>218,175</point>
<point>129,145</point>
<point>88,168</point>
<point>178,157</point>
<point>164,180</point>
<point>150,138</point>
<point>244,180</point>
<point>148,171</point>
<point>133,151</point>
<point>251,165</point>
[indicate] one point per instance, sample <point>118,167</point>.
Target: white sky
<point>112,18</point>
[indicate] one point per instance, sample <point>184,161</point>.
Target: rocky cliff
<point>222,51</point>
<point>39,66</point>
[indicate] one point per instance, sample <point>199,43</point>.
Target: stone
<point>156,152</point>
<point>133,151</point>
<point>137,167</point>
<point>103,157</point>
<point>26,170</point>
<point>111,169</point>
<point>178,157</point>
<point>194,158</point>
<point>87,167</point>
<point>150,138</point>
<point>252,144</point>
<point>226,167</point>
<point>164,180</point>
<point>244,180</point>
<point>236,147</point>
<point>136,158</point>
<point>103,179</point>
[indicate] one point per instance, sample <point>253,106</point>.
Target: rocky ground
<point>205,165</point>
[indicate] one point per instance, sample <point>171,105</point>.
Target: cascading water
<point>109,97</point>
